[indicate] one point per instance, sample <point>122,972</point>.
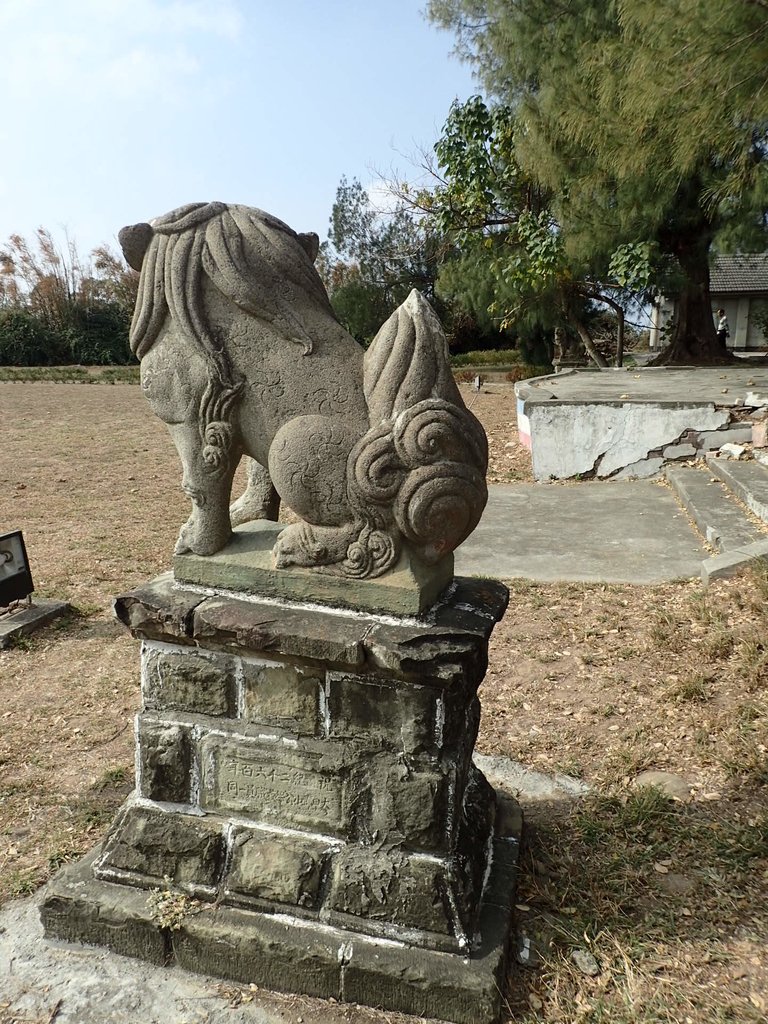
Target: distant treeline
<point>59,309</point>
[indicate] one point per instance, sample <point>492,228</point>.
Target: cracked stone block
<point>408,806</point>
<point>165,762</point>
<point>711,440</point>
<point>402,718</point>
<point>187,680</point>
<point>760,434</point>
<point>279,869</point>
<point>679,451</point>
<point>280,695</point>
<point>640,470</point>
<point>145,846</point>
<point>391,887</point>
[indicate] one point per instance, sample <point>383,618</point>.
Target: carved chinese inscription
<point>261,786</point>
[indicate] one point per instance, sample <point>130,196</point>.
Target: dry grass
<point>598,681</point>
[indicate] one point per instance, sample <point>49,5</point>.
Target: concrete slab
<point>525,784</point>
<point>614,532</point>
<point>28,618</point>
<point>718,516</point>
<point>747,480</point>
<point>592,423</point>
<point>721,385</point>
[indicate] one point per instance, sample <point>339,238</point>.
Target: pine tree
<point>648,122</point>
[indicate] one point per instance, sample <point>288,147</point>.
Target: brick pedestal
<point>306,777</point>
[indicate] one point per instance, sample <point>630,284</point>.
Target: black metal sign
<point>15,577</point>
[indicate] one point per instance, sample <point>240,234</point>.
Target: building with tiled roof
<point>739,285</point>
<point>745,274</point>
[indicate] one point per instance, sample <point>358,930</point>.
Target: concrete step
<point>719,518</point>
<point>747,480</point>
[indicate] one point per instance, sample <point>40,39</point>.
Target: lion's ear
<point>310,243</point>
<point>134,241</point>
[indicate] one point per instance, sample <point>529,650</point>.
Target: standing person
<point>722,327</point>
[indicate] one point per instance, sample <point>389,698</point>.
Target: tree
<point>513,250</point>
<point>374,258</point>
<point>648,126</point>
<point>58,307</point>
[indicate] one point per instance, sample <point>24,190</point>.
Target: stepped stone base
<point>287,953</point>
<point>305,775</point>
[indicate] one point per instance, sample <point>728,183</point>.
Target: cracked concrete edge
<point>731,562</point>
<point>27,619</point>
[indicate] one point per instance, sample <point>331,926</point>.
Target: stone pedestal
<point>305,787</point>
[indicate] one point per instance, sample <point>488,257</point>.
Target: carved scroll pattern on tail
<point>420,469</point>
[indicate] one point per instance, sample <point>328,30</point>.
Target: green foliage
<point>513,252</point>
<point>98,335</point>
<point>25,340</point>
<point>631,265</point>
<point>373,259</point>
<point>648,129</point>
<point>56,308</point>
<point>487,357</point>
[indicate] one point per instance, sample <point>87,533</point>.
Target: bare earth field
<point>641,909</point>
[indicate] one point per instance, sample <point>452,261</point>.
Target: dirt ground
<point>601,682</point>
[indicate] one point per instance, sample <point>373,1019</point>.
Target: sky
<point>117,111</point>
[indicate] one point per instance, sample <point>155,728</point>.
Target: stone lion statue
<point>241,354</point>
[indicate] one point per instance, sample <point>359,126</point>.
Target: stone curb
<point>719,519</point>
<point>731,562</point>
<point>27,620</point>
<point>735,475</point>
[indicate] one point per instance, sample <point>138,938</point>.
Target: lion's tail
<point>421,466</point>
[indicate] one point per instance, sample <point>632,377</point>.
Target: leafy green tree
<point>647,125</point>
<point>373,259</point>
<point>25,340</point>
<point>513,251</point>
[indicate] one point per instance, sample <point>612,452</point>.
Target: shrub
<point>27,341</point>
<point>524,371</point>
<point>98,336</point>
<point>489,357</point>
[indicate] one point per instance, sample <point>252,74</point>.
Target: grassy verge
<point>71,374</point>
<point>641,911</point>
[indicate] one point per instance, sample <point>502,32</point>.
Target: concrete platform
<point>628,532</point>
<point>630,423</point>
<point>720,385</point>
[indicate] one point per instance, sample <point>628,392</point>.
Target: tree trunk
<point>620,337</point>
<point>694,339</point>
<point>586,340</point>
